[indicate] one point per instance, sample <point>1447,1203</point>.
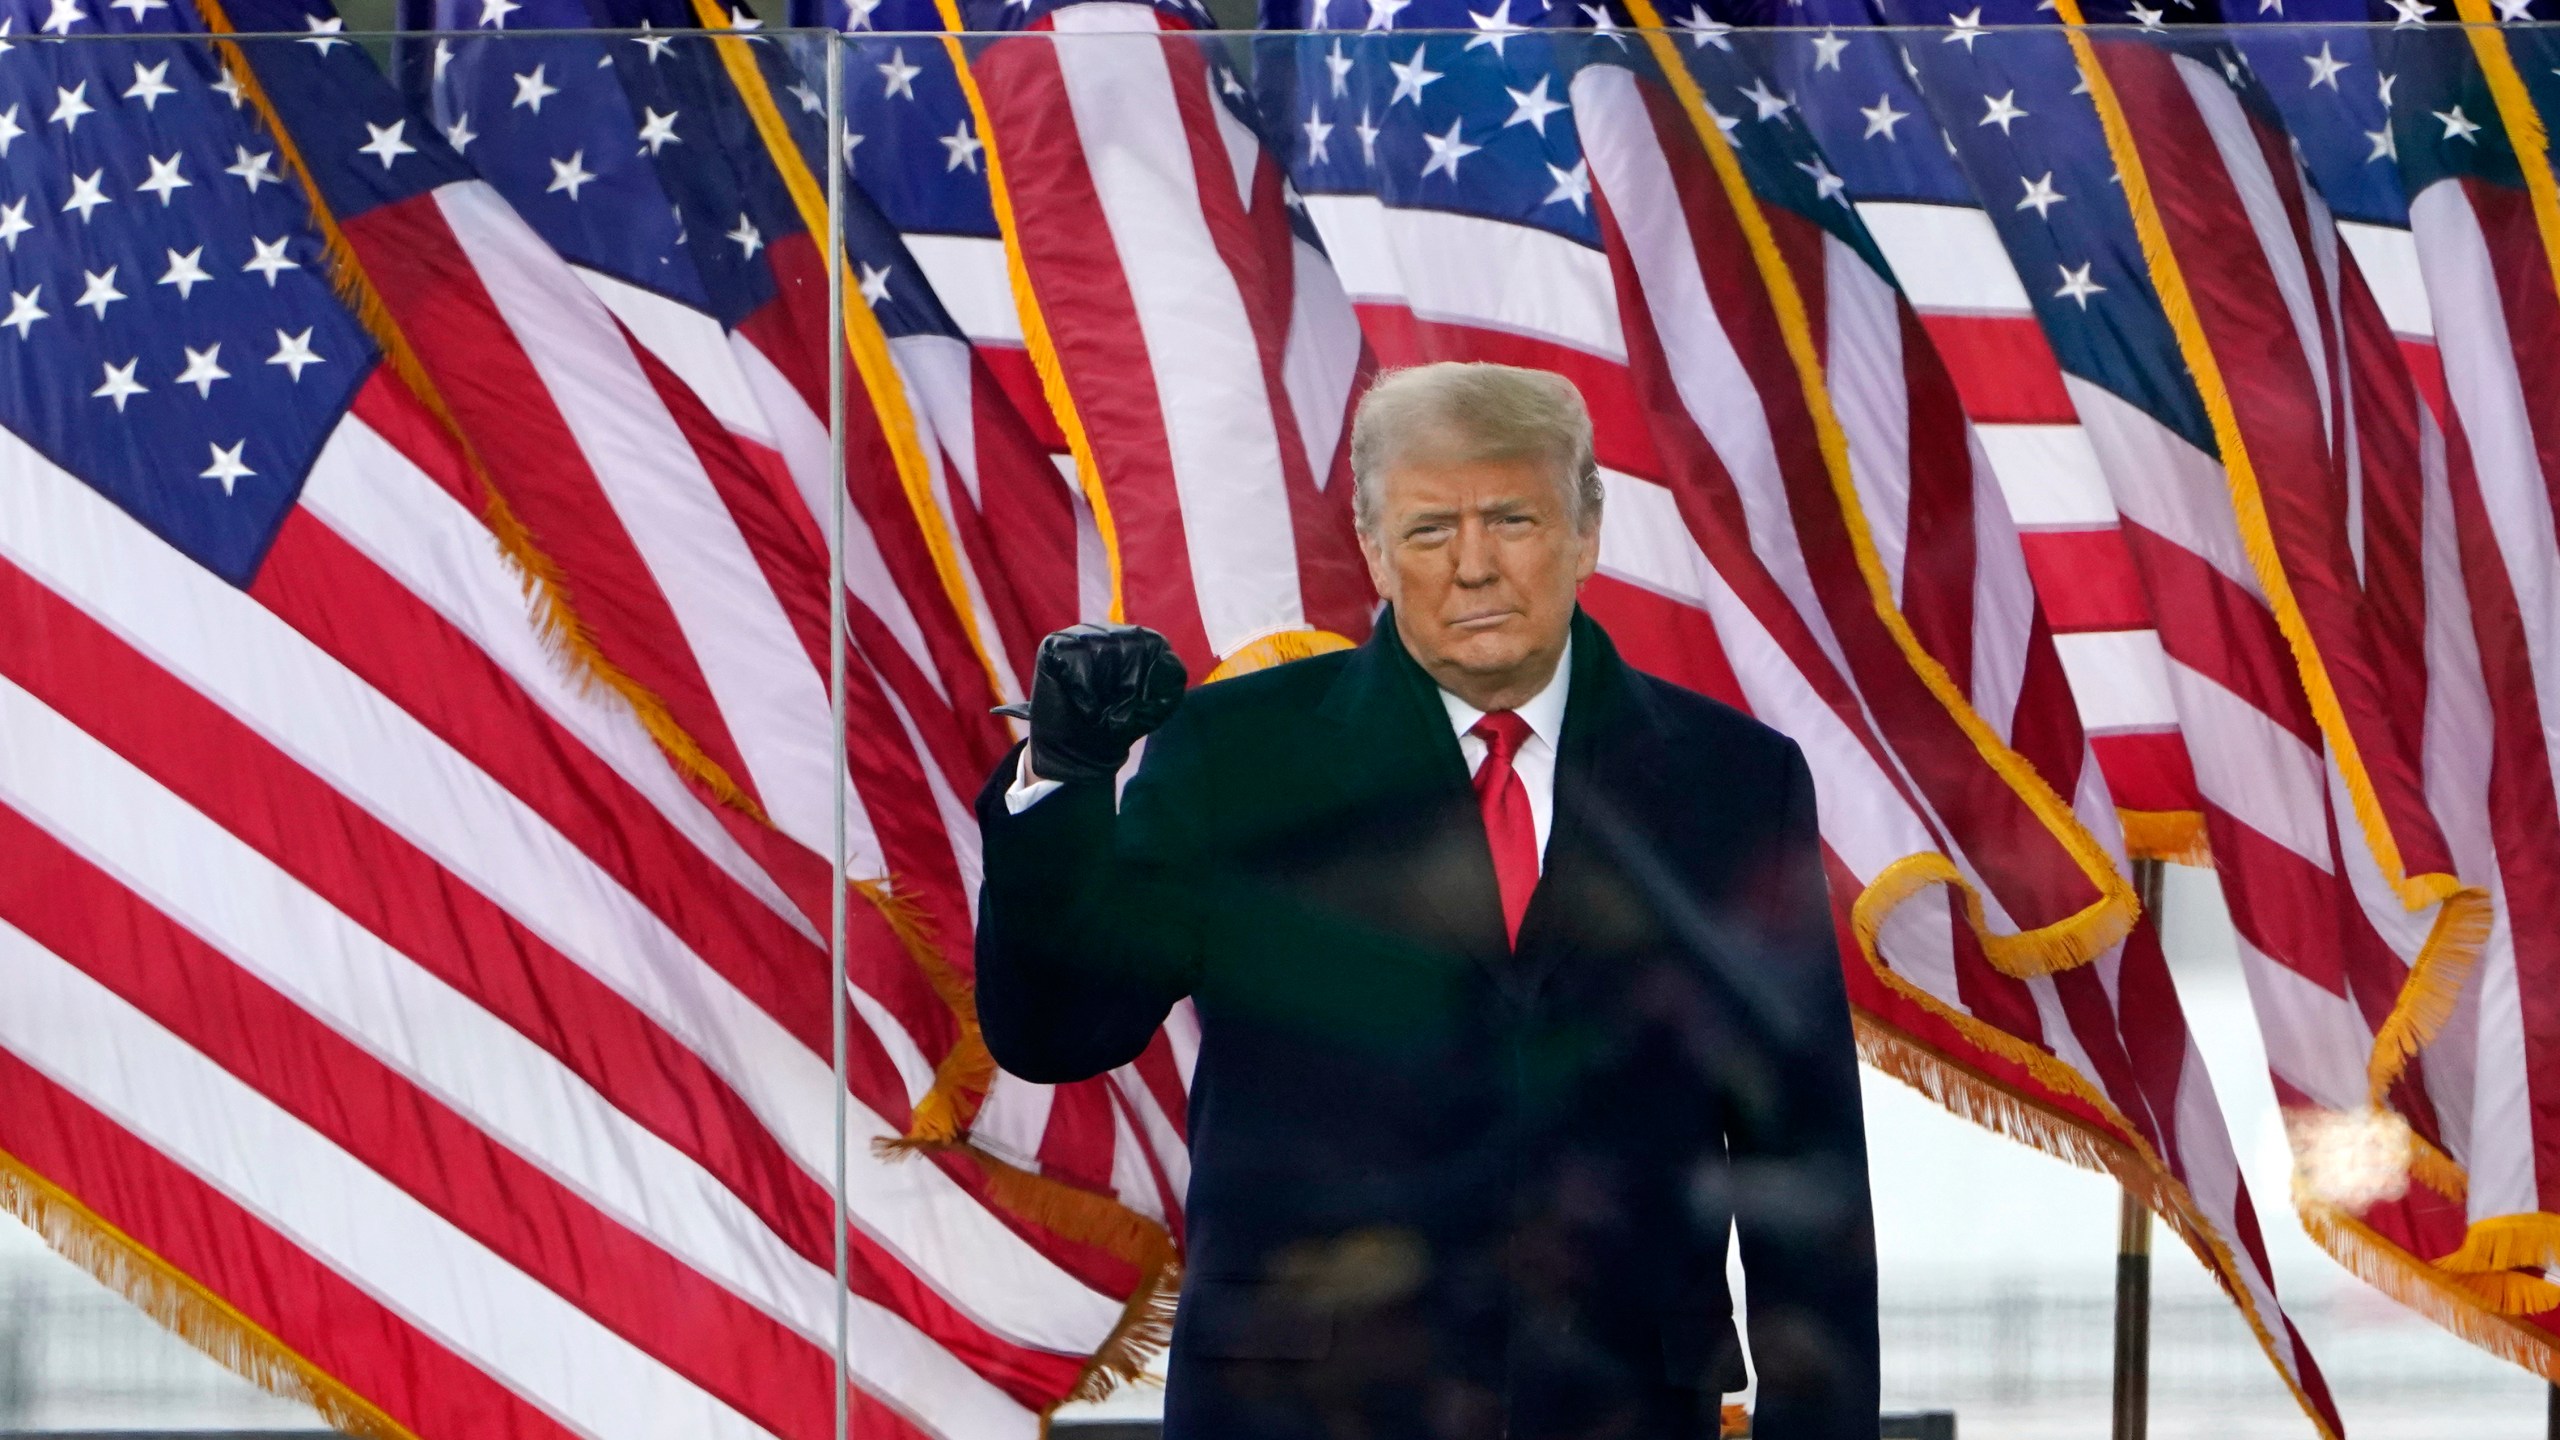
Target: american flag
<point>2327,941</point>
<point>1529,190</point>
<point>387,1012</point>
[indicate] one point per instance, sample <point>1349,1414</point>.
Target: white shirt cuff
<point>1027,789</point>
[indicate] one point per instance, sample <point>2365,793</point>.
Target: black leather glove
<point>1095,690</point>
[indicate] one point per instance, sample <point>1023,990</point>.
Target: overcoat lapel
<point>1601,765</point>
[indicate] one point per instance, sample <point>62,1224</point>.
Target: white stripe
<point>1918,940</point>
<point>941,383</point>
<point>316,1196</point>
<point>2237,144</point>
<point>2456,757</point>
<point>1013,1119</point>
<point>2316,1040</point>
<point>1210,391</point>
<point>1871,396</point>
<point>2049,475</point>
<point>2253,769</point>
<point>2388,256</point>
<point>1162,1139</point>
<point>2120,678</point>
<point>969,276</point>
<point>1948,258</point>
<point>773,700</point>
<point>2211,1170</point>
<point>434,1037</point>
<point>2004,600</point>
<point>1321,361</point>
<point>2162,483</point>
<point>243,658</point>
<point>367,491</point>
<point>691,344</point>
<point>1644,540</point>
<point>1518,279</point>
<point>1133,1181</point>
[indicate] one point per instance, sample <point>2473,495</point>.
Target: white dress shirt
<point>1534,763</point>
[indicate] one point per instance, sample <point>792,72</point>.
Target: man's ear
<point>1588,562</point>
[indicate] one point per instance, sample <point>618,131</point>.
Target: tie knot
<point>1503,732</point>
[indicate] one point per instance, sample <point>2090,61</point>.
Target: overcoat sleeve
<point>1802,1208</point>
<point>1088,929</point>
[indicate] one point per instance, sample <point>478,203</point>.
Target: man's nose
<point>1476,555</point>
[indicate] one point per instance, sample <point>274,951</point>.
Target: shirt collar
<point>1544,711</point>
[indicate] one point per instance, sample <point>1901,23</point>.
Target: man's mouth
<point>1483,620</point>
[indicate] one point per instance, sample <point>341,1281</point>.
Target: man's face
<point>1481,560</point>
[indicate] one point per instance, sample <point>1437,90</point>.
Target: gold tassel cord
<point>2176,837</point>
<point>2096,928</point>
<point>546,591</point>
<point>183,1306</point>
<point>2463,911</point>
<point>1026,303</point>
<point>864,339</point>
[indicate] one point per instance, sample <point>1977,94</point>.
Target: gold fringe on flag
<point>2463,911</point>
<point>555,617</point>
<point>1026,303</point>
<point>183,1306</point>
<point>2104,922</point>
<point>2451,1301</point>
<point>2176,837</point>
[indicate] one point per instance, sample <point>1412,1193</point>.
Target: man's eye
<point>1427,534</point>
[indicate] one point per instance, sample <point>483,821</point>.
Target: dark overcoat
<point>1442,1189</point>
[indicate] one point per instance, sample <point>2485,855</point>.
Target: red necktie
<point>1508,827</point>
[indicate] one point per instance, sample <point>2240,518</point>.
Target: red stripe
<point>1662,636</point>
<point>1084,299</point>
<point>2085,580</point>
<point>1078,1144</point>
<point>1010,363</point>
<point>2002,367</point>
<point>418,268</point>
<point>2147,770</point>
<point>2523,280</point>
<point>276,1285</point>
<point>368,872</point>
<point>1019,526</point>
<point>1939,561</point>
<point>2212,626</point>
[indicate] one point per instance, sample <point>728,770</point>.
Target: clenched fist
<point>1095,690</point>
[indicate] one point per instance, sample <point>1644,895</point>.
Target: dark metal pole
<point>2133,1262</point>
<point>2551,1415</point>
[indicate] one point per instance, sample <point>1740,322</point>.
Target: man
<point>1516,979</point>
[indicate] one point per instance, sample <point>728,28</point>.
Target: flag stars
<point>653,45</point>
<point>203,368</point>
<point>494,13</point>
<point>62,16</point>
<point>1446,151</point>
<point>748,239</point>
<point>1532,106</point>
<point>294,352</point>
<point>1704,29</point>
<point>1319,136</point>
<point>1495,27</point>
<point>657,131</point>
<point>1882,117</point>
<point>226,466</point>
<point>98,291</point>
<point>386,144</point>
<point>857,14</point>
<point>2040,196</point>
<point>2145,17</point>
<point>2324,67</point>
<point>459,134</point>
<point>186,271</point>
<point>2511,11</point>
<point>137,8</point>
<point>270,259</point>
<point>10,130</point>
<point>88,192</point>
<point>1412,76</point>
<point>2457,126</point>
<point>1766,104</point>
<point>1368,134</point>
<point>119,385</point>
<point>24,312</point>
<point>961,148</point>
<point>70,105</point>
<point>1338,68</point>
<point>2410,12</point>
<point>14,223</point>
<point>900,75</point>
<point>165,180</point>
<point>228,87</point>
<point>1964,29</point>
<point>2382,84</point>
<point>1826,186</point>
<point>2077,286</point>
<point>324,33</point>
<point>810,104</point>
<point>150,83</point>
<point>570,175</point>
<point>253,170</point>
<point>1827,48</point>
<point>1573,187</point>
<point>1382,13</point>
<point>875,284</point>
<point>2386,144</point>
<point>532,88</point>
<point>2001,110</point>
